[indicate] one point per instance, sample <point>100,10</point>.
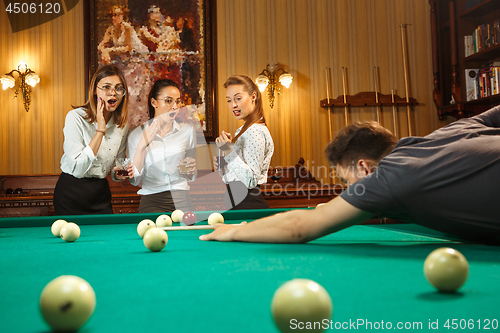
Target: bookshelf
<point>451,21</point>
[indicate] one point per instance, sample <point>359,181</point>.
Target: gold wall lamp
<point>27,79</point>
<point>269,77</point>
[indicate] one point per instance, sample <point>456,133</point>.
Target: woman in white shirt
<point>246,156</point>
<point>94,136</point>
<point>158,148</point>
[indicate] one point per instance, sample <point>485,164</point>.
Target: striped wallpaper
<point>303,36</point>
<point>31,142</point>
<point>306,37</point>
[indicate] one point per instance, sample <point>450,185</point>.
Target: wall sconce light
<point>268,78</point>
<point>27,78</point>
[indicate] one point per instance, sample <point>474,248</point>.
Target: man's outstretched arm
<point>297,226</point>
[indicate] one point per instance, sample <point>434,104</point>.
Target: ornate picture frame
<point>153,39</point>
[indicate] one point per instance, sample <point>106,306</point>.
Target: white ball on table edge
<point>177,216</point>
<point>70,232</point>
<point>215,218</point>
<point>163,221</point>
<point>144,226</point>
<point>56,227</point>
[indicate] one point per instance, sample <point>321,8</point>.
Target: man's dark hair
<point>360,140</point>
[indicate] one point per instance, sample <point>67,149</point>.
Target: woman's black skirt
<point>167,201</point>
<point>238,197</point>
<point>81,196</point>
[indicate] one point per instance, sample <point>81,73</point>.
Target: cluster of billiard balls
<point>68,231</point>
<point>156,238</point>
<point>67,302</point>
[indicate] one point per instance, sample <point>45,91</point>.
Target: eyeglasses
<point>169,101</point>
<point>120,91</point>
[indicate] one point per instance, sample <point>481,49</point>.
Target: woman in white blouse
<point>94,136</point>
<point>246,156</point>
<point>158,148</point>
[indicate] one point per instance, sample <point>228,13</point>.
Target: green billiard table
<point>373,273</point>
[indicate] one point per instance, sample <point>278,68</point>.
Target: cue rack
<point>372,98</point>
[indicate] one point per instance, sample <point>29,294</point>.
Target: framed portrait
<point>158,39</point>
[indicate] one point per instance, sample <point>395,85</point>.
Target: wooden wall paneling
<point>355,39</point>
<point>32,141</point>
<point>304,36</point>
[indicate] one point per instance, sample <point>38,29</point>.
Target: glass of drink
<point>183,167</point>
<point>221,161</point>
<point>123,164</point>
<point>276,175</point>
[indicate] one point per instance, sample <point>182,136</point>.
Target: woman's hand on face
<point>148,134</point>
<point>224,142</point>
<point>101,122</point>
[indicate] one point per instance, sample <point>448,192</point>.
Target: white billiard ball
<point>177,216</point>
<point>144,226</point>
<point>446,269</point>
<point>215,218</point>
<point>56,227</point>
<point>163,221</point>
<point>70,232</point>
<point>155,239</point>
<point>67,302</point>
<point>302,300</point>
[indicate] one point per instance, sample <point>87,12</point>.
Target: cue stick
<point>345,98</point>
<point>402,29</point>
<point>329,111</point>
<point>328,103</point>
<point>379,110</point>
<point>394,115</point>
<point>195,227</point>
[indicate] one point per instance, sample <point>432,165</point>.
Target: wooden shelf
<point>493,100</point>
<point>470,108</point>
<point>367,98</point>
<point>449,61</point>
<point>481,9</point>
<point>485,55</point>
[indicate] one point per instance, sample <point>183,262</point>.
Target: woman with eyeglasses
<point>246,157</point>
<point>94,136</point>
<point>163,152</point>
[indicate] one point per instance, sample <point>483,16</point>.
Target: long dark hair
<point>120,115</point>
<point>257,115</point>
<point>155,91</point>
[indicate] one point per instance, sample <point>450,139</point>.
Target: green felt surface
<point>373,273</point>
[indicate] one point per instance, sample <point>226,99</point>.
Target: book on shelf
<point>471,3</point>
<point>483,82</point>
<point>483,37</point>
<point>470,83</point>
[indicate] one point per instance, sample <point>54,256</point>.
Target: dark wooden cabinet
<point>451,20</point>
